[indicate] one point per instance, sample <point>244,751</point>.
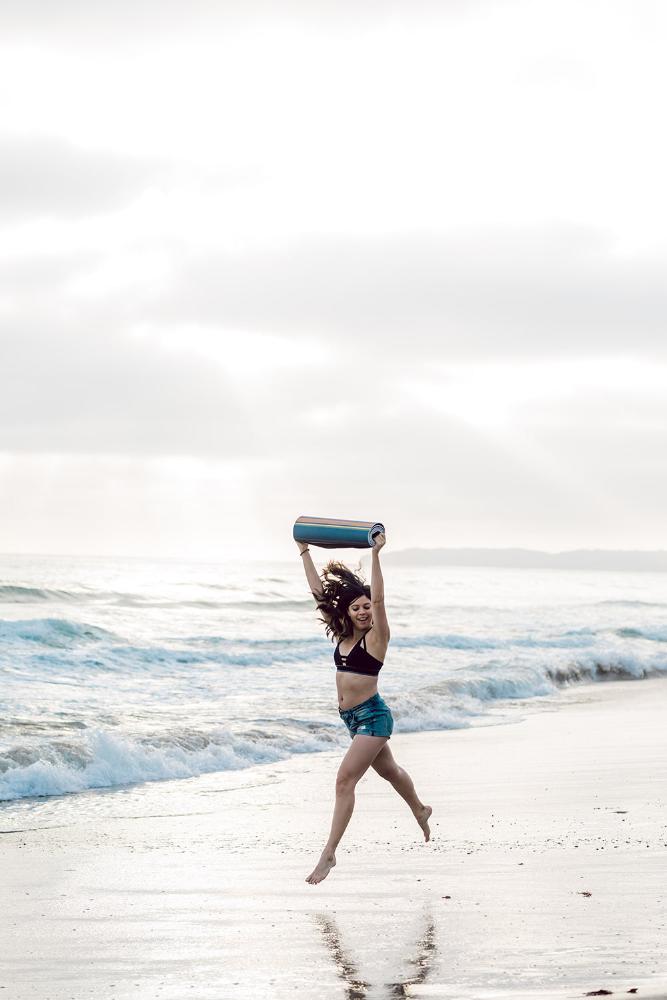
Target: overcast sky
<point>396,261</point>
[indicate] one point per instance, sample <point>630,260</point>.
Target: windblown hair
<point>340,587</point>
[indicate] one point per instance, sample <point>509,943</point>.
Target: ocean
<point>120,672</point>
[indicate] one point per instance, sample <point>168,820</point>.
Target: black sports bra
<point>358,660</point>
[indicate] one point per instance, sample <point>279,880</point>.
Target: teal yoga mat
<point>332,533</point>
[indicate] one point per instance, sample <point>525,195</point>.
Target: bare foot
<point>422,818</point>
<point>322,869</point>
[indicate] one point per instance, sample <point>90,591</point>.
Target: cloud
<point>155,17</point>
<point>540,292</point>
<point>50,176</point>
<point>291,350</point>
<point>67,389</point>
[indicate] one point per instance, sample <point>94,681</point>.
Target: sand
<point>546,875</point>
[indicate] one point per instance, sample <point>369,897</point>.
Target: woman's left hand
<point>379,540</point>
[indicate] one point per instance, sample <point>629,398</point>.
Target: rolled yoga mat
<point>331,533</point>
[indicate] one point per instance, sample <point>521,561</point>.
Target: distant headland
<point>601,559</point>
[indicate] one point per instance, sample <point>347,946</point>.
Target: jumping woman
<point>354,614</point>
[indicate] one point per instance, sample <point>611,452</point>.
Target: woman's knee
<point>345,781</point>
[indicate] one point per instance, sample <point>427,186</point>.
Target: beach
<point>546,873</point>
<point>332,362</point>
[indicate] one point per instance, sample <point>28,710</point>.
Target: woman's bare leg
<point>354,765</point>
<point>398,777</point>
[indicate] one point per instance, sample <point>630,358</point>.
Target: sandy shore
<point>546,875</point>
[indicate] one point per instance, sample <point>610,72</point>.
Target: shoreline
<point>188,882</point>
<point>500,712</point>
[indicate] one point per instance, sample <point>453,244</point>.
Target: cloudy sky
<point>392,260</point>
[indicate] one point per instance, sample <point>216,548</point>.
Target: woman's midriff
<point>354,688</point>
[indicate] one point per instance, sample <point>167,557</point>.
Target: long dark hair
<point>340,587</point>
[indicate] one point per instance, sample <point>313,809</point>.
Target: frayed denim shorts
<point>371,718</point>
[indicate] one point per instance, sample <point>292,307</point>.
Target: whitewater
<point>117,672</point>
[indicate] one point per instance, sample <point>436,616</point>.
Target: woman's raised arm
<point>380,622</point>
<point>312,576</point>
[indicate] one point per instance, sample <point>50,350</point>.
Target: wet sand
<point>546,875</point>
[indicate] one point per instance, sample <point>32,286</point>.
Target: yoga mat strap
<point>333,533</point>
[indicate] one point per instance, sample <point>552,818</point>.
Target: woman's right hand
<point>303,547</point>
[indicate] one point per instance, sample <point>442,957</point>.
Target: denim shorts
<point>371,718</point>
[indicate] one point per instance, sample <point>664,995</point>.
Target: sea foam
<point>123,673</point>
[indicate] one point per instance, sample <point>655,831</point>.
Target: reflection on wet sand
<point>356,988</point>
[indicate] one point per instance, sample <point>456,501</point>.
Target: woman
<point>355,615</point>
